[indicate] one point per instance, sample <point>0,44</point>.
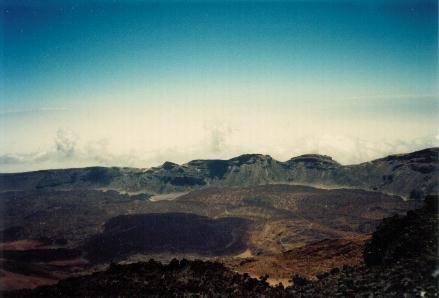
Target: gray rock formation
<point>412,176</point>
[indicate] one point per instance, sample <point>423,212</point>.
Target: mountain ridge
<point>323,156</point>
<point>411,175</point>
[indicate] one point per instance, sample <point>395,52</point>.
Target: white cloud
<point>65,142</point>
<point>147,133</point>
<point>218,142</point>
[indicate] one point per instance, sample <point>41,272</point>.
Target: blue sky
<point>156,79</point>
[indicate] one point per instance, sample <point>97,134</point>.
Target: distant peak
<point>250,158</point>
<point>167,165</point>
<point>313,158</point>
<point>318,156</point>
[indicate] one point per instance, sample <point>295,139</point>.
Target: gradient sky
<point>135,83</point>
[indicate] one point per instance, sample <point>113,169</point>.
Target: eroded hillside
<point>412,175</point>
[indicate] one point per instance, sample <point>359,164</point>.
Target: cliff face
<point>412,175</point>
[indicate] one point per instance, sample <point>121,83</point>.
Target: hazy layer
<point>138,83</point>
<point>147,135</point>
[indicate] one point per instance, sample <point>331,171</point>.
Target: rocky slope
<point>261,221</point>
<point>152,279</point>
<point>403,265</point>
<point>308,260</point>
<point>401,260</point>
<point>411,175</point>
<point>281,216</point>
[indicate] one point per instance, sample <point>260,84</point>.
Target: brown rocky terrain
<point>400,260</point>
<point>287,216</point>
<point>307,260</point>
<point>265,221</point>
<point>403,265</point>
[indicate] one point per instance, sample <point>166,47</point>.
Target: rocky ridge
<point>413,175</point>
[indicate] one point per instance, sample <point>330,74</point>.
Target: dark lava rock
<point>12,234</point>
<point>414,235</point>
<point>153,279</point>
<point>401,261</point>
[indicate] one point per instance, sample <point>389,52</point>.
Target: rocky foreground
<point>400,261</point>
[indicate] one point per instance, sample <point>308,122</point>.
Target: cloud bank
<point>68,150</point>
<point>144,134</point>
